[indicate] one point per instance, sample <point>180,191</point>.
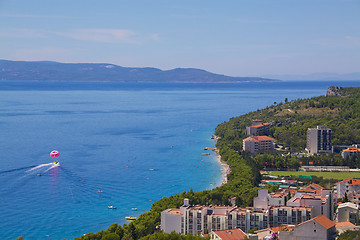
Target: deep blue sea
<point>136,142</point>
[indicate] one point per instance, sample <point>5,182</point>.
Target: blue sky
<point>234,37</point>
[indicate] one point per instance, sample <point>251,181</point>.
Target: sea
<point>125,145</point>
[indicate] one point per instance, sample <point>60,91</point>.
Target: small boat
<point>39,174</point>
<point>130,218</point>
<point>151,169</point>
<point>134,209</point>
<point>99,191</point>
<point>205,154</point>
<point>111,207</point>
<point>56,162</point>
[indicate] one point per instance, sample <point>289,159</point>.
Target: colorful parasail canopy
<point>54,153</point>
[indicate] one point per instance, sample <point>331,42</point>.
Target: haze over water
<point>135,142</point>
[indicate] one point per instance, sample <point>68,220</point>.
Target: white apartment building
<point>348,186</point>
<point>258,143</point>
<point>204,219</point>
<point>348,212</point>
<point>318,140</point>
<point>278,199</point>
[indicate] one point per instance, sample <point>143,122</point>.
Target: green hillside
<point>290,120</point>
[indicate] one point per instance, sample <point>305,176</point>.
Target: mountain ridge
<point>107,72</point>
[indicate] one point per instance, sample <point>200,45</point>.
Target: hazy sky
<point>234,37</point>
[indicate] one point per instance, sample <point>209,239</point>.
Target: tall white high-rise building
<point>318,140</point>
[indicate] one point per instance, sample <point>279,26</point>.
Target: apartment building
<point>204,219</point>
<point>321,200</point>
<point>318,140</point>
<point>258,143</point>
<point>278,199</point>
<point>258,129</point>
<point>348,186</point>
<point>348,212</point>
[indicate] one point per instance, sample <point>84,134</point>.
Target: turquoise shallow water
<point>135,142</point>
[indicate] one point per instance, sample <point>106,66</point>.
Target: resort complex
<point>289,214</point>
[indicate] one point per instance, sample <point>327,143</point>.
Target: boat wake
<point>43,166</point>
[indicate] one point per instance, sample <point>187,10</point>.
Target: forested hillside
<point>290,120</point>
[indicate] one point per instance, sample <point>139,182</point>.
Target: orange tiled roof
<point>356,181</point>
<point>324,221</point>
<point>259,138</point>
<point>306,189</point>
<point>282,228</point>
<point>174,211</point>
<point>351,149</point>
<point>231,234</point>
<point>260,125</point>
<point>344,224</point>
<point>316,186</point>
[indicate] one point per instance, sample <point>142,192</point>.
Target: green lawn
<point>335,175</point>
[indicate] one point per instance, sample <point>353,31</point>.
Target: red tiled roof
<point>316,186</point>
<point>344,224</point>
<point>307,189</point>
<point>259,138</point>
<point>260,125</point>
<point>356,181</point>
<point>351,149</point>
<point>324,221</point>
<point>174,211</point>
<point>230,234</point>
<point>282,228</point>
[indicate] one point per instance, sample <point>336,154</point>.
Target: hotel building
<point>318,140</point>
<point>258,143</point>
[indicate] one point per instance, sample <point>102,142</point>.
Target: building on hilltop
<point>258,143</point>
<point>258,129</point>
<point>318,140</point>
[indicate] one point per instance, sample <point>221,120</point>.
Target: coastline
<point>225,167</point>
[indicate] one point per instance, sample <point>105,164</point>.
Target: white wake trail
<point>39,166</point>
<point>53,166</point>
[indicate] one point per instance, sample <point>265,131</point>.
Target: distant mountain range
<point>323,76</point>
<point>90,72</point>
